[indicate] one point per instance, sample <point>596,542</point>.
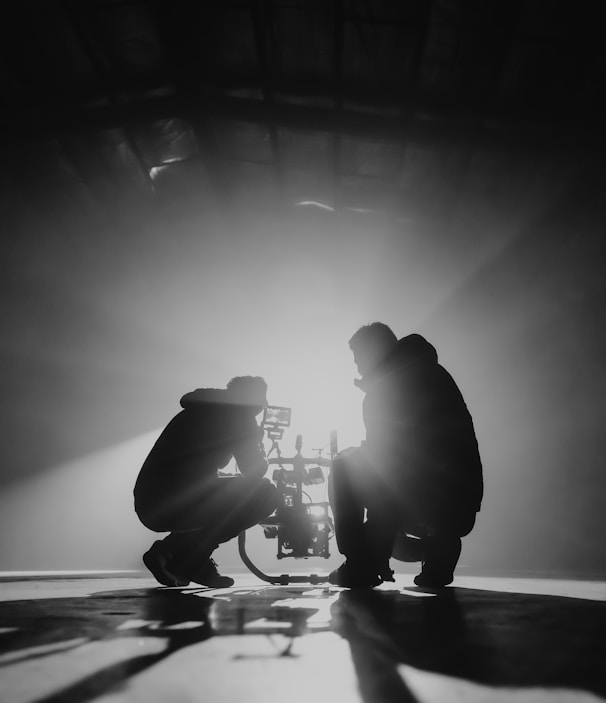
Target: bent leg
<point>227,507</point>
<point>347,500</point>
<point>441,554</point>
<point>212,513</point>
<point>365,521</point>
<point>235,504</point>
<point>442,548</point>
<point>381,530</point>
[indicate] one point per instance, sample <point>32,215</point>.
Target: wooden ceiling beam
<point>494,131</point>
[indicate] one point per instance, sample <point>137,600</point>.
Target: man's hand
<point>251,459</point>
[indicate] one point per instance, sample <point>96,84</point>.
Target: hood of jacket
<point>408,353</point>
<point>205,397</point>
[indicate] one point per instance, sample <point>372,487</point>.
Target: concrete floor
<point>116,637</point>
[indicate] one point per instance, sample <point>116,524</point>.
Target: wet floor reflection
<point>487,637</point>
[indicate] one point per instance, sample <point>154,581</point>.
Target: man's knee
<point>256,495</point>
<point>256,501</point>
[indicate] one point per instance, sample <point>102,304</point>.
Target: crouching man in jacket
<point>179,489</point>
<point>414,486</point>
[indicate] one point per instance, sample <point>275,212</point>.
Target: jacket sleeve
<point>250,457</point>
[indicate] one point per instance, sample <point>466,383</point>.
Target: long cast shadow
<point>43,624</point>
<point>491,638</point>
<point>487,637</point>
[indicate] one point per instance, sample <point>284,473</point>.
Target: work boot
<point>207,574</point>
<point>441,557</point>
<point>157,560</point>
<point>354,575</point>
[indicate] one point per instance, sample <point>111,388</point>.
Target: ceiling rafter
<point>262,21</point>
<point>111,91</point>
<point>227,70</point>
<point>339,52</point>
<point>493,131</point>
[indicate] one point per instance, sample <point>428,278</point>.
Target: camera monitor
<point>276,416</point>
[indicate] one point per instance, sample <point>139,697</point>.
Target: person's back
<point>419,427</point>
<point>201,439</point>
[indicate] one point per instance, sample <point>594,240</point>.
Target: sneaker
<point>208,575</point>
<point>157,559</point>
<point>350,575</point>
<point>433,579</point>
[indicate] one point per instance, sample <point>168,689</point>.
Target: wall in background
<point>108,319</point>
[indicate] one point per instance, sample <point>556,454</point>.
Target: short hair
<point>248,390</point>
<point>375,333</point>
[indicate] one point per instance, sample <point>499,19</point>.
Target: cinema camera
<point>302,528</point>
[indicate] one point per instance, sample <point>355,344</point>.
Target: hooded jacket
<point>420,431</point>
<point>211,429</point>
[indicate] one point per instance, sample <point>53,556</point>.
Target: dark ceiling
<point>381,105</point>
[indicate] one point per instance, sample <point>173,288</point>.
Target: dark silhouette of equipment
<point>302,528</point>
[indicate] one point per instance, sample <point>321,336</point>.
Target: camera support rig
<point>303,529</point>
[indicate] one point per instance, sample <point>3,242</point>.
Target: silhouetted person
<point>179,489</point>
<point>418,473</point>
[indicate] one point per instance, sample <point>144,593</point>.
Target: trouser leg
<point>347,504</point>
<point>442,544</point>
<point>381,529</point>
<point>187,549</point>
<point>227,507</point>
<point>441,556</point>
<point>365,515</point>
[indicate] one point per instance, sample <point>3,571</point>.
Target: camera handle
<point>276,579</point>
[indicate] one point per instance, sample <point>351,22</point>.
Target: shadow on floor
<point>488,637</point>
<point>491,638</point>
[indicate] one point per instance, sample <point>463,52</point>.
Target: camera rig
<point>301,527</point>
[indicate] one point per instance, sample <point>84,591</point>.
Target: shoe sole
<point>356,585</point>
<point>215,584</point>
<point>429,583</point>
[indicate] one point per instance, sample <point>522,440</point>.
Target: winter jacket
<point>419,430</point>
<point>202,438</point>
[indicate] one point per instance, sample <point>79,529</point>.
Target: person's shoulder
<point>413,349</point>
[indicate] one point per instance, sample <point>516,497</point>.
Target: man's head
<point>248,390</point>
<point>370,345</point>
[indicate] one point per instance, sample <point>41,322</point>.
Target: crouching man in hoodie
<point>414,486</point>
<point>180,491</point>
